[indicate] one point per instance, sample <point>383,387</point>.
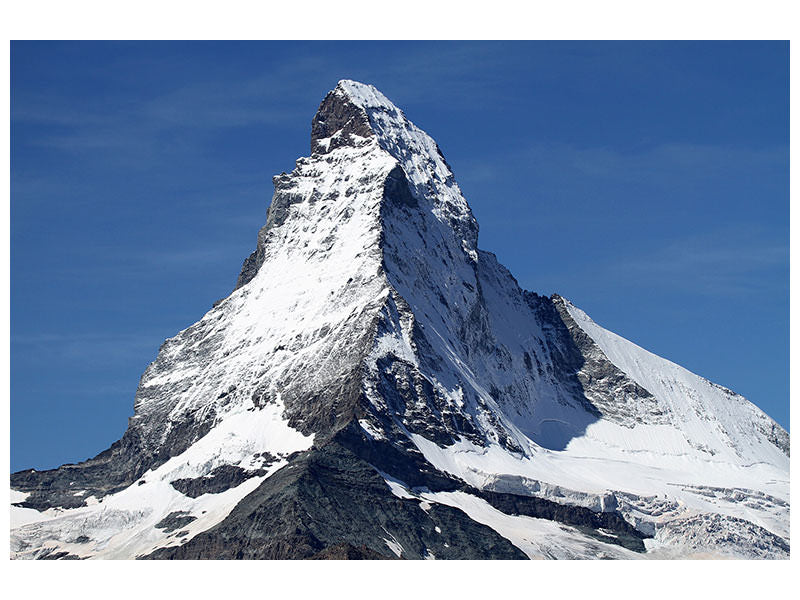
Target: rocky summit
<point>376,386</point>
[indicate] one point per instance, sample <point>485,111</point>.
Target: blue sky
<point>648,182</point>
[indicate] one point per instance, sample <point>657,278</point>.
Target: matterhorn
<point>376,386</point>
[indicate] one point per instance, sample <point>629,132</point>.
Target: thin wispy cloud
<point>629,211</point>
<point>149,264</point>
<point>725,263</point>
<point>153,128</point>
<point>601,186</point>
<point>673,163</point>
<point>86,349</point>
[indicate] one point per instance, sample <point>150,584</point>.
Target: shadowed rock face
<point>336,120</point>
<point>390,349</point>
<point>347,552</point>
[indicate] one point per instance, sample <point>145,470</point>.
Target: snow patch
<point>122,525</point>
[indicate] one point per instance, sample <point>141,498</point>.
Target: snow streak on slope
<point>537,538</point>
<point>714,420</point>
<point>152,513</point>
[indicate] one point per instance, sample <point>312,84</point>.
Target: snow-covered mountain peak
<point>365,95</point>
<point>376,385</point>
<point>356,115</point>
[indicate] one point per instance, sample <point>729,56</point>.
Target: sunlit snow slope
<point>376,385</point>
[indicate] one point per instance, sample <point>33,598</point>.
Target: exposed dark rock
<point>53,555</point>
<point>249,270</point>
<point>398,458</point>
<point>724,534</point>
<point>396,188</point>
<point>220,479</point>
<point>175,520</point>
<point>586,520</point>
<point>337,115</point>
<point>327,497</point>
<point>348,552</point>
<point>110,471</point>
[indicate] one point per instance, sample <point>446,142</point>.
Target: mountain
<point>376,386</point>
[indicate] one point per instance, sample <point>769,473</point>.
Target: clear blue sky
<point>647,182</point>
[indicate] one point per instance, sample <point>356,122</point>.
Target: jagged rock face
<point>318,504</point>
<point>377,386</point>
<point>338,123</point>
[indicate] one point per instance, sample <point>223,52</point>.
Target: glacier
<point>377,386</point>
